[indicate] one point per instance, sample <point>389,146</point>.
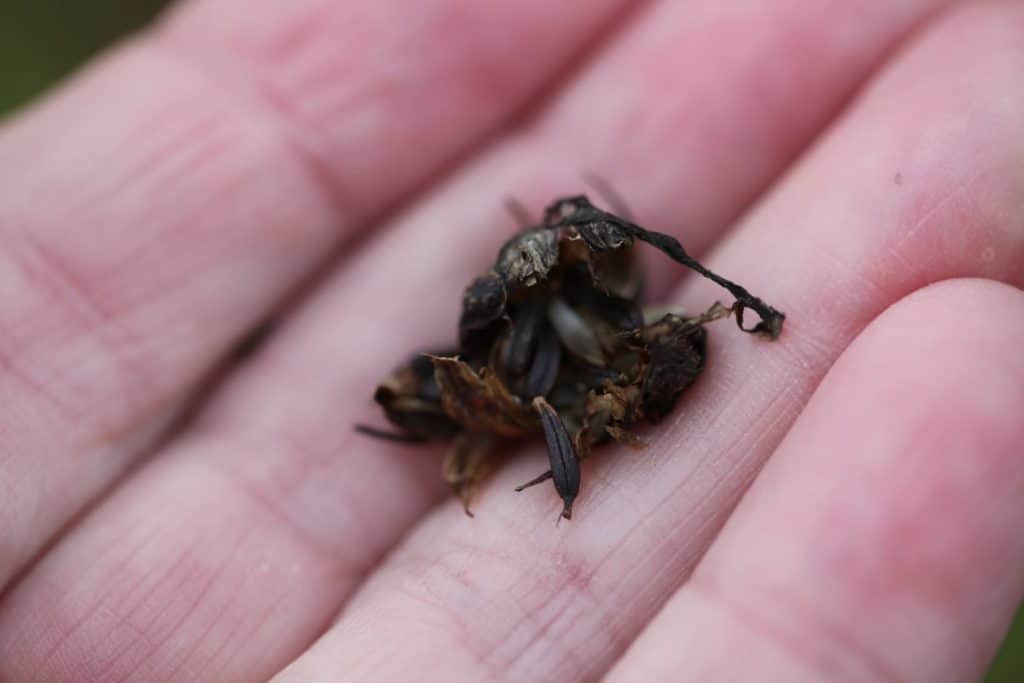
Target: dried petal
<point>466,464</point>
<point>480,402</point>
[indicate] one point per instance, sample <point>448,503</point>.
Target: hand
<point>174,509</point>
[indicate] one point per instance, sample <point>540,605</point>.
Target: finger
<point>276,458</point>
<point>882,540</point>
<point>156,208</point>
<point>507,595</point>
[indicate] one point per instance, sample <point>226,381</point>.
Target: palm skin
<point>841,505</point>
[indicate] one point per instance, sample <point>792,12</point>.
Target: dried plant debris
<point>553,340</point>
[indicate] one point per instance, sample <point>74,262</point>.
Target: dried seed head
<point>553,341</point>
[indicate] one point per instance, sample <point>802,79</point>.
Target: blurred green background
<point>41,40</point>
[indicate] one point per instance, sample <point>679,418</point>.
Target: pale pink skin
<point>840,158</point>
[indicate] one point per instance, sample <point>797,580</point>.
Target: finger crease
<point>272,109</point>
<point>56,279</point>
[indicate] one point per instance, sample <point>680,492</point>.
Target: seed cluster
<point>553,340</point>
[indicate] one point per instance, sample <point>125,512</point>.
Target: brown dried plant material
<point>553,341</point>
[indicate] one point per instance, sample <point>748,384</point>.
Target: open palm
<point>178,502</point>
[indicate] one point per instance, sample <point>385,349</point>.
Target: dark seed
<point>525,329</point>
<point>546,363</point>
<point>565,466</point>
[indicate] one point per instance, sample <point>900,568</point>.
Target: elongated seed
<point>565,466</point>
<point>546,362</point>
<point>523,339</point>
<point>574,332</point>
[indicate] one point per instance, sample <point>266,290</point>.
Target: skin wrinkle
<point>221,131</point>
<point>279,117</point>
<point>142,633</point>
<point>207,583</point>
<point>97,605</point>
<point>214,614</point>
<point>165,145</point>
<point>11,369</point>
<point>738,469</point>
<point>175,143</point>
<point>30,263</point>
<point>580,586</point>
<point>560,603</point>
<point>192,650</point>
<point>680,562</point>
<point>542,626</point>
<point>124,613</point>
<point>187,611</point>
<point>138,162</point>
<point>666,556</point>
<point>212,657</point>
<point>431,580</point>
<point>204,590</point>
<point>259,624</point>
<point>465,635</point>
<point>98,323</point>
<point>156,431</point>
